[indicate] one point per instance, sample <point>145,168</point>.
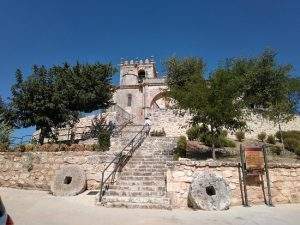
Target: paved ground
<point>40,208</point>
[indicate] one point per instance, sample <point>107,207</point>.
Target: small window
<point>129,99</point>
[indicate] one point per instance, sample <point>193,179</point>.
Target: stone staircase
<point>142,182</point>
<point>119,141</point>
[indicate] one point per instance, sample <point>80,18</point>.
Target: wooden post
<point>244,174</point>
<point>267,177</point>
<point>241,185</point>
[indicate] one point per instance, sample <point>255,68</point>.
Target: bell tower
<point>134,72</point>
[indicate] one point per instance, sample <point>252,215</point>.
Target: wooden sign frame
<point>254,162</point>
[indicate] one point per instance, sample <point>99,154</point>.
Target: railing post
<point>101,187</point>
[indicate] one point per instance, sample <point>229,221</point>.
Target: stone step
<point>130,193</point>
<point>151,200</point>
<point>142,173</point>
<point>131,205</point>
<point>142,170</point>
<point>158,166</point>
<point>140,183</point>
<point>142,178</point>
<point>138,188</point>
<point>147,160</point>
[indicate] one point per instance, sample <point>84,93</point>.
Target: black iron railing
<point>120,160</point>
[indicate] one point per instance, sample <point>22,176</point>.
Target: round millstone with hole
<point>69,181</point>
<point>208,191</point>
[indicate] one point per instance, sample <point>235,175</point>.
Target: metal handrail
<point>121,158</point>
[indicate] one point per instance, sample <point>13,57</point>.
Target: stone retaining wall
<point>35,170</point>
<point>175,124</point>
<point>285,180</point>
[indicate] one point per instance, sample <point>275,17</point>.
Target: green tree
<point>5,128</point>
<point>54,97</point>
<point>268,87</point>
<point>213,102</point>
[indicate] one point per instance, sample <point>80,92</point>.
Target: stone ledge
<point>212,163</point>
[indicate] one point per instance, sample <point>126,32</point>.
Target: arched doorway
<point>161,101</point>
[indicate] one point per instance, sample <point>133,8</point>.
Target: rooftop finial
<point>152,59</point>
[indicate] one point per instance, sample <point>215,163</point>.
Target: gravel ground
<point>31,207</point>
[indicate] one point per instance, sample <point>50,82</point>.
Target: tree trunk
<point>72,134</point>
<point>281,138</point>
<point>213,143</point>
<point>42,135</point>
<point>213,150</point>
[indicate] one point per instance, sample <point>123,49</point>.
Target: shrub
<point>158,133</point>
<point>224,133</point>
<point>221,141</point>
<point>297,151</point>
<point>196,132</point>
<point>271,139</point>
<point>228,143</point>
<point>202,134</point>
<point>102,132</point>
<point>294,134</point>
<point>262,136</point>
<point>291,134</point>
<point>180,150</point>
<point>240,135</point>
<point>103,141</point>
<point>278,136</point>
<point>5,132</point>
<point>291,144</point>
<point>21,148</point>
<point>275,149</point>
<point>3,147</point>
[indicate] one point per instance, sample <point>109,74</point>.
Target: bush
<point>202,134</point>
<point>3,147</point>
<point>103,141</point>
<point>221,141</point>
<point>196,132</point>
<point>180,150</point>
<point>158,133</point>
<point>278,136</point>
<point>102,132</point>
<point>271,139</point>
<point>224,133</point>
<point>5,132</point>
<point>240,135</point>
<point>228,143</point>
<point>262,136</point>
<point>291,144</point>
<point>276,150</point>
<point>291,134</point>
<point>297,151</point>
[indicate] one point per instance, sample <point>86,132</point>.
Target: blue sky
<point>51,32</point>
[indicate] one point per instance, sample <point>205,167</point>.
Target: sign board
<point>254,158</point>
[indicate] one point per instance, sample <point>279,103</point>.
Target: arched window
<point>141,75</point>
<point>129,99</point>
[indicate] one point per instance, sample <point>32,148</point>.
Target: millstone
<point>68,181</point>
<point>209,191</point>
